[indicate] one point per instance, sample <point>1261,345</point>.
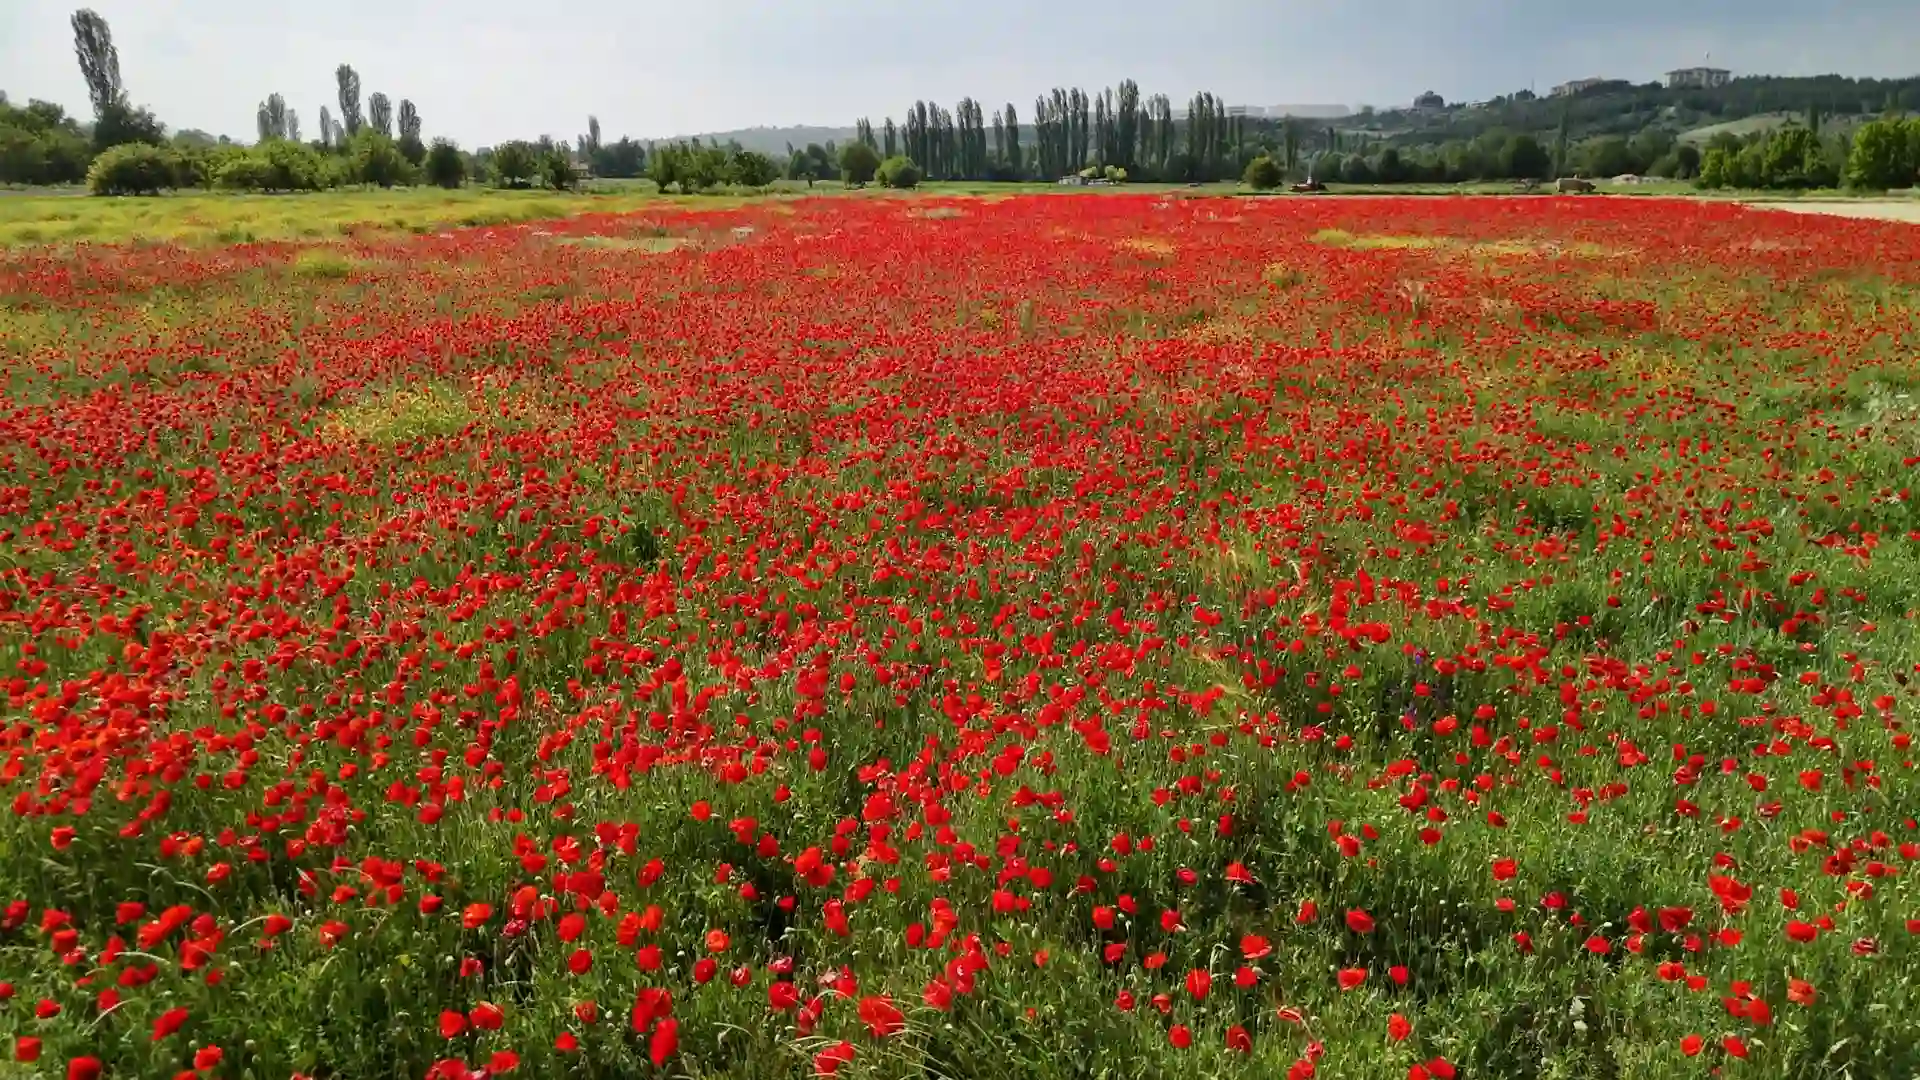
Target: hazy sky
<point>485,70</point>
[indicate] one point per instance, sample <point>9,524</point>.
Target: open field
<point>1120,637</point>
<point>204,219</point>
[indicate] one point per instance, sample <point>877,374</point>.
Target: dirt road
<point>1907,210</point>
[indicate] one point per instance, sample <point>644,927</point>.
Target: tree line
<point>1121,134</point>
<point>41,144</point>
<point>1115,134</point>
<point>126,149</point>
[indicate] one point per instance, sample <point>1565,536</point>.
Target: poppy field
<point>1053,636</point>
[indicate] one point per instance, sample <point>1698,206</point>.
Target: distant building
<point>1698,78</point>
<point>1429,100</point>
<point>1568,89</point>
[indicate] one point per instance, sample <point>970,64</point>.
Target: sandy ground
<point>1907,210</point>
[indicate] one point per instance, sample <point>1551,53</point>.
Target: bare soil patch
<point>1907,210</point>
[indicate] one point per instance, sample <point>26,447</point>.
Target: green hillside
<point>1627,109</point>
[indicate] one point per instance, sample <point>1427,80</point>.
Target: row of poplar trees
<point>275,120</point>
<point>1070,131</point>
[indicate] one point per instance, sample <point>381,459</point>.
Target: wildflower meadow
<point>1104,635</point>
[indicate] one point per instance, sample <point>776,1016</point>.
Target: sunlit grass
<point>211,218</point>
<point>645,245</point>
<point>400,415</point>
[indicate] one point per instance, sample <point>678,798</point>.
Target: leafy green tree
<point>557,171</point>
<point>1716,168</point>
<point>445,165</point>
<point>1014,164</point>
<point>244,172</point>
<point>1686,161</point>
<point>411,148</point>
<point>898,172</point>
<point>750,168</point>
<point>1126,124</point>
<point>115,119</point>
<point>275,165</point>
<point>1523,158</point>
<point>124,123</point>
<point>1882,157</point>
<point>1391,168</point>
<point>624,157</point>
<point>326,129</point>
<point>132,169</point>
<point>377,160</point>
<point>813,163</point>
<point>1262,174</point>
<point>1794,158</point>
<point>514,163</point>
<point>380,113</point>
<point>1648,146</point>
<point>99,60</point>
<point>858,162</point>
<point>1606,156</point>
<point>41,144</point>
<point>296,166</point>
<point>270,118</point>
<point>347,83</point>
<point>1560,140</point>
<point>663,167</point>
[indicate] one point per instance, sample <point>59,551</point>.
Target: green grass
<point>202,218</point>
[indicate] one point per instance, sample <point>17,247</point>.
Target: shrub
<point>132,169</point>
<point>1263,174</point>
<point>378,161</point>
<point>276,165</point>
<point>898,172</point>
<point>858,162</point>
<point>248,172</point>
<point>296,166</point>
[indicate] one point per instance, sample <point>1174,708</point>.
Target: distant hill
<point>1308,112</point>
<point>1617,107</point>
<point>772,140</point>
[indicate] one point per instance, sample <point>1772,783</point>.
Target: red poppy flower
<point>664,1042</point>
<point>881,1017</point>
<point>168,1022</point>
<point>828,1062</point>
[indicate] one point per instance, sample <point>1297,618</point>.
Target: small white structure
<point>1698,78</point>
